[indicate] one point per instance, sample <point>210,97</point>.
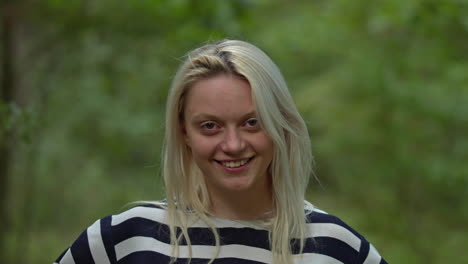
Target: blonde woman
<point>237,160</point>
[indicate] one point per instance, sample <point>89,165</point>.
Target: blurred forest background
<point>383,86</point>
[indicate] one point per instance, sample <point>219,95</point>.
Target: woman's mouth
<point>234,165</point>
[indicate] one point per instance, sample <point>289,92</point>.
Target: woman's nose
<point>233,142</point>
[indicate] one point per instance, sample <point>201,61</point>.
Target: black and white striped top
<point>141,235</point>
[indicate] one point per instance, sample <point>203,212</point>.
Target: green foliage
<point>382,85</point>
<point>15,118</point>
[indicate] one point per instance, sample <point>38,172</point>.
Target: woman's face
<point>224,136</point>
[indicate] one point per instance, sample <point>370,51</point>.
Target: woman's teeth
<point>234,164</point>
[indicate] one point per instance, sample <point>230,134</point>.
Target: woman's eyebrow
<point>206,116</point>
<point>203,116</point>
<point>249,114</point>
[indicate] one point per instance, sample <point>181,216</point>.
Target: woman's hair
<point>187,195</point>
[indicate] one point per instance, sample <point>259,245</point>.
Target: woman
<point>237,161</point>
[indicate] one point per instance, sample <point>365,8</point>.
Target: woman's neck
<point>245,205</point>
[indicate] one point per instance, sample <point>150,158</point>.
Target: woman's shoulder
<point>152,211</point>
<point>99,242</point>
<point>315,215</point>
<point>322,224</point>
<point>332,233</point>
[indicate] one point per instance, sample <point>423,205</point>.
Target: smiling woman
<point>237,160</point>
<point>229,146</point>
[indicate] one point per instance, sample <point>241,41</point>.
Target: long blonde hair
<point>291,166</point>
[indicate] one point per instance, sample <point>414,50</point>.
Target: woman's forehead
<point>219,94</point>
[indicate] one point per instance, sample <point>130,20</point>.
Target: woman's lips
<point>235,165</point>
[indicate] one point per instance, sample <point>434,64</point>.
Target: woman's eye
<point>253,122</point>
<point>208,125</point>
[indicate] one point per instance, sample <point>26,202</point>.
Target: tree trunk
<point>7,97</point>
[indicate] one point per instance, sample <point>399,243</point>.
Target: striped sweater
<point>141,235</point>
